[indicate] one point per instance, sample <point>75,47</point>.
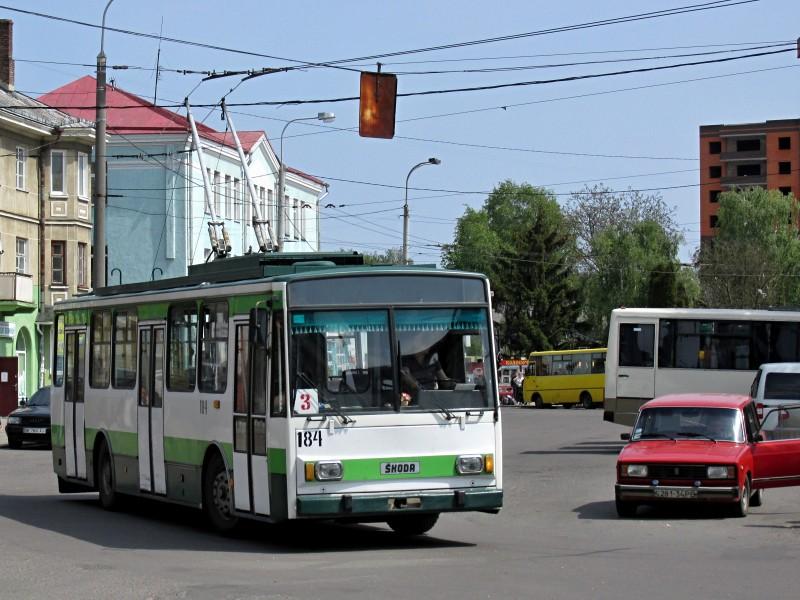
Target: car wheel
<point>537,401</point>
<point>109,499</point>
<point>757,498</point>
<point>412,524</point>
<point>217,499</point>
<point>586,401</point>
<point>14,443</point>
<point>626,508</point>
<point>743,505</point>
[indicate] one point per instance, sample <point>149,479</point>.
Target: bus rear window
<point>782,386</point>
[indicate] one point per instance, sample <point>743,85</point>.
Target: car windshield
<point>782,386</point>
<point>374,361</point>
<point>718,424</point>
<point>40,398</point>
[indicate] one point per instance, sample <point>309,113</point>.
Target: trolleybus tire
<point>14,443</point>
<point>109,498</point>
<point>626,508</point>
<point>217,496</point>
<point>757,498</point>
<point>586,400</point>
<point>537,401</point>
<point>412,524</point>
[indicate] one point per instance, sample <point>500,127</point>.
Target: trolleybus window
<point>182,347</point>
<point>214,348</point>
<point>277,398</point>
<point>58,362</point>
<point>125,349</point>
<point>100,365</point>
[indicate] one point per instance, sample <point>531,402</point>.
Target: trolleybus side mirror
<point>259,326</point>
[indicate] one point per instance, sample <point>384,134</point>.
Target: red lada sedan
<point>706,448</point>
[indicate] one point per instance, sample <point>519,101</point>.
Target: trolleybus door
<point>250,469</point>
<point>636,373</point>
<point>150,410</point>
<point>75,371</point>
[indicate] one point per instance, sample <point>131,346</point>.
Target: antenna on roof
<point>158,60</point>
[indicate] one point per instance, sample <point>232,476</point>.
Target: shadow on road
<point>787,525</point>
<point>152,525</point>
<point>613,448</point>
<point>604,511</point>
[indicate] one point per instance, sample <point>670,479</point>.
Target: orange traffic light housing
<point>378,100</point>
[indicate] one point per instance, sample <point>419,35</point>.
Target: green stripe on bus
<point>277,461</point>
<point>241,305</point>
<point>368,469</point>
<point>191,452</point>
<point>157,310</point>
<point>123,443</point>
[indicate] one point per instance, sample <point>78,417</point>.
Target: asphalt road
<point>557,537</point>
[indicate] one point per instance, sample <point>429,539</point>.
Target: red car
<point>706,448</point>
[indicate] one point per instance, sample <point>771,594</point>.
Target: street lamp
<point>430,161</point>
<point>325,117</point>
<point>99,164</point>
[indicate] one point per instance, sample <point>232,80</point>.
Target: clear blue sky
<point>655,122</point>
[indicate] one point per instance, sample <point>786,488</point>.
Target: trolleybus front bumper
<point>348,505</point>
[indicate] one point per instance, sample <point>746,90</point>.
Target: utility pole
<point>100,188</point>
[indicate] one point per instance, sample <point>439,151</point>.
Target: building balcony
<point>742,156</point>
<point>16,291</point>
<point>745,180</point>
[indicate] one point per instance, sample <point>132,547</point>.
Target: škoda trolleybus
<point>274,387</point>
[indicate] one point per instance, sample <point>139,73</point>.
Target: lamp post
<point>430,161</point>
<point>325,117</point>
<point>100,191</point>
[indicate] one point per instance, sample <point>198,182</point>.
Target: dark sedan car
<point>30,423</point>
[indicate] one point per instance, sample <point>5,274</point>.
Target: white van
<point>777,385</point>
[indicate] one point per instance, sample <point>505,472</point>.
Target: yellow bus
<point>565,377</point>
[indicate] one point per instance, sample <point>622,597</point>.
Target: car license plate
<point>676,493</point>
<point>34,430</point>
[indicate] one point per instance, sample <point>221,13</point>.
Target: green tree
<point>754,260</point>
<point>392,256</point>
<point>520,239</point>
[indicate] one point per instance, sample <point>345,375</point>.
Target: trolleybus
<point>657,351</point>
<point>272,387</point>
<point>566,377</point>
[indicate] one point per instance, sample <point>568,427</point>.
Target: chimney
<point>7,53</point>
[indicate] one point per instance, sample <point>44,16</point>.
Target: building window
<point>82,265</point>
<point>752,145</point>
<point>303,208</point>
<point>784,168</point>
<point>296,218</point>
<point>57,261</point>
<point>713,195</point>
<point>714,147</point>
<point>22,255</point>
<point>262,198</point>
<point>228,197</point>
<point>713,221</point>
<point>785,190</point>
<point>237,200</point>
<point>715,172</point>
<point>206,208</point>
<point>83,175</point>
<point>57,182</point>
<point>285,216</point>
<point>217,194</point>
<point>21,158</point>
<point>270,207</point>
<point>784,143</point>
<point>750,170</point>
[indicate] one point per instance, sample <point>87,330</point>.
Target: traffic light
<point>378,100</point>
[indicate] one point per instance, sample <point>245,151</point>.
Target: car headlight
<point>469,464</point>
<point>721,472</point>
<point>13,420</point>
<point>330,470</point>
<point>636,470</point>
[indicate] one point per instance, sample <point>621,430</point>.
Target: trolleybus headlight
<point>721,472</point>
<point>13,420</point>
<point>636,471</point>
<point>469,464</point>
<point>329,470</point>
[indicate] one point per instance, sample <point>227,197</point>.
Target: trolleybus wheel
<point>109,499</point>
<point>586,400</point>
<point>217,500</point>
<point>413,524</point>
<point>537,401</point>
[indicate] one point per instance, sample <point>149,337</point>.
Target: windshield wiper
<point>333,405</point>
<point>656,435</point>
<point>447,414</point>
<point>696,434</point>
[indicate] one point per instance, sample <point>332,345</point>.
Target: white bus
<point>657,351</point>
<point>177,390</point>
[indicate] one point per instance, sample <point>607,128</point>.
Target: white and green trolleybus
<point>272,386</point>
